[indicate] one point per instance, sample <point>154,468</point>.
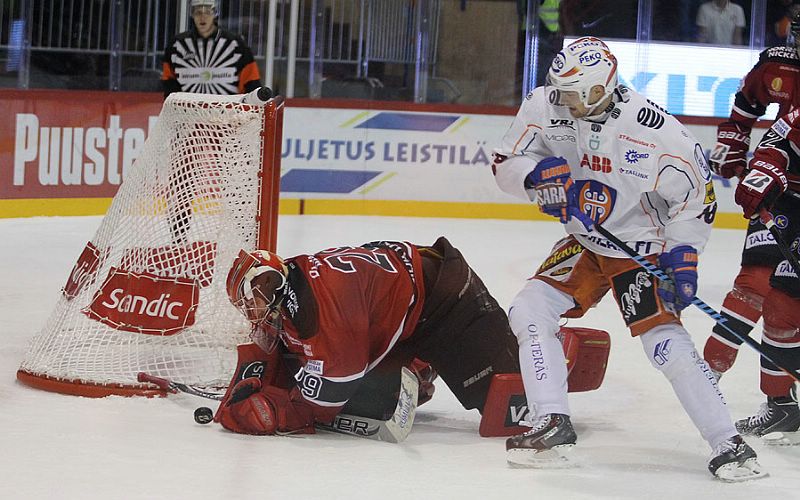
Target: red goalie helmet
<point>255,285</point>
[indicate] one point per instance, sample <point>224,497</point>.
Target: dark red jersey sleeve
<point>774,79</point>
<point>347,308</point>
<point>780,147</point>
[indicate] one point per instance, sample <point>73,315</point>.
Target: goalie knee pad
<point>586,350</point>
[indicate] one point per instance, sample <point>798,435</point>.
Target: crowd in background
<point>690,21</point>
<point>67,55</point>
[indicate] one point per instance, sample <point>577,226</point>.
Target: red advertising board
<point>71,144</point>
<point>145,303</point>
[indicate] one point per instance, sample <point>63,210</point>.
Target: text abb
<point>596,163</point>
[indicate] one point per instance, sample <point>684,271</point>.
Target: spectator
<point>550,41</point>
<point>600,18</point>
<point>779,17</point>
<point>192,62</point>
<point>720,22</point>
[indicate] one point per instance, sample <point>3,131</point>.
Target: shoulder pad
<point>781,54</point>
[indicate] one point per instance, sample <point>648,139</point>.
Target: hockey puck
<point>203,415</point>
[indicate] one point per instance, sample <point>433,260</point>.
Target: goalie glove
<point>729,157</point>
<point>762,185</point>
<point>680,264</point>
<point>551,186</point>
<point>264,410</point>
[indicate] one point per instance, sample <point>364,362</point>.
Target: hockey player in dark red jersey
<point>348,317</point>
<point>207,59</point>
<point>774,178</point>
<point>774,79</point>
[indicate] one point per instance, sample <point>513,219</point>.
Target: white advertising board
<point>397,155</point>
<point>686,79</point>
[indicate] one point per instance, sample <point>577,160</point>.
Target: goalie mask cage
<point>147,293</point>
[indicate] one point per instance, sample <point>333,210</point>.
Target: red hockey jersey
<point>344,310</point>
<point>774,79</point>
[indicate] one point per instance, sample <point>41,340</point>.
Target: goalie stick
<point>394,430</point>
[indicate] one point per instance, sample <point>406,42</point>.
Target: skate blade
<point>781,438</point>
<point>735,473</point>
<point>554,458</point>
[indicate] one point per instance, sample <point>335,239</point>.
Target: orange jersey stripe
<point>249,73</point>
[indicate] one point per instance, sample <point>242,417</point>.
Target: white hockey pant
<point>670,349</point>
<point>534,315</point>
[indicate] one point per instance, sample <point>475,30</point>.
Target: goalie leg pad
<point>586,350</point>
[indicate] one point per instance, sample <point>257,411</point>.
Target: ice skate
<point>545,445</point>
<point>777,422</point>
<point>734,461</point>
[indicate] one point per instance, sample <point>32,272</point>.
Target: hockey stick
<point>766,219</point>
<point>394,430</point>
<point>661,275</point>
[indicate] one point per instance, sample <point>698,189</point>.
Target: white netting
<point>148,292</point>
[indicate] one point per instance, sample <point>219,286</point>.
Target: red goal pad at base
<point>147,293</point>
<point>586,351</point>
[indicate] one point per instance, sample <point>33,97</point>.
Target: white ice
<point>634,440</point>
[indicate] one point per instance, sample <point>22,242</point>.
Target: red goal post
<point>147,293</point>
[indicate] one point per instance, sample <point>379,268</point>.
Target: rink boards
<point>66,154</point>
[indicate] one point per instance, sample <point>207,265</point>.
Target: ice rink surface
<point>634,440</point>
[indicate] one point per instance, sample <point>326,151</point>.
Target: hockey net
<point>147,293</point>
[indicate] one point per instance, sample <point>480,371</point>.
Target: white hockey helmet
<point>211,4</point>
<point>580,66</point>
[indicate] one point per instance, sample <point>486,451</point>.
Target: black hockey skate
<point>545,445</point>
<point>777,421</point>
<point>734,461</point>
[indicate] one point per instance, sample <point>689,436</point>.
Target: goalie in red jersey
<point>349,319</point>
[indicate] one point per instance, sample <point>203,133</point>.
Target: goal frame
<point>266,216</point>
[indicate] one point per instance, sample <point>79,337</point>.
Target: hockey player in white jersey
<point>584,147</point>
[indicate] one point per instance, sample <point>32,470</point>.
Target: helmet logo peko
<point>589,58</point>
<point>581,66</point>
